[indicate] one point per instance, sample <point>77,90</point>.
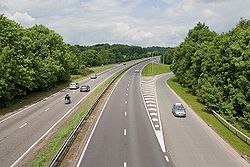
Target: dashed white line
<point>167,158</point>
<point>125,164</point>
<point>125,132</point>
<point>125,113</point>
<point>22,126</point>
<point>127,88</point>
<point>126,102</point>
<point>126,94</point>
<point>46,109</point>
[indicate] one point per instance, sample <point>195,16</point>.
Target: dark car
<point>179,110</point>
<point>93,76</point>
<point>85,88</point>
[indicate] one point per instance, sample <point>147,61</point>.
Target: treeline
<point>217,69</point>
<point>33,59</point>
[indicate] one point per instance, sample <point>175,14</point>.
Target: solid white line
<point>125,164</point>
<point>92,132</point>
<point>125,132</point>
<point>22,126</point>
<point>167,158</point>
<point>46,109</point>
<point>46,133</point>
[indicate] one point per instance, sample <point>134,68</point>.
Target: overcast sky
<point>133,22</point>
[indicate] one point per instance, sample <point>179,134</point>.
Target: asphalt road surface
<point>21,131</point>
<point>190,142</point>
<point>124,136</point>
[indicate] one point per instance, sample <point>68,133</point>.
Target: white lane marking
<point>125,164</point>
<point>126,102</point>
<point>46,133</point>
<point>125,113</point>
<point>127,88</point>
<point>149,98</point>
<point>149,101</point>
<point>157,126</point>
<point>167,158</point>
<point>153,113</point>
<point>126,94</point>
<point>155,119</point>
<point>22,126</point>
<point>128,85</point>
<point>18,112</point>
<point>152,109</point>
<point>125,132</point>
<point>151,105</point>
<point>92,132</point>
<point>47,109</point>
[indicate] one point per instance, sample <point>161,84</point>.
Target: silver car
<point>94,76</point>
<point>74,85</point>
<point>178,110</point>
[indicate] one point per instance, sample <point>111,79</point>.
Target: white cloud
<point>135,22</point>
<point>23,18</point>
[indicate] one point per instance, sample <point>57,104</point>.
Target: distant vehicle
<point>74,86</point>
<point>137,71</point>
<point>93,76</point>
<point>124,63</point>
<point>178,110</point>
<point>84,88</point>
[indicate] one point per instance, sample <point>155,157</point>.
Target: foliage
<point>217,69</point>
<point>36,58</point>
<point>167,57</point>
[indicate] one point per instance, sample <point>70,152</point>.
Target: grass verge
<point>48,152</point>
<point>155,69</point>
<point>192,101</point>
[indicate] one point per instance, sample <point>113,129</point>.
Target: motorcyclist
<point>67,97</point>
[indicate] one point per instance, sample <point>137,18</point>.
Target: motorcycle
<point>67,101</point>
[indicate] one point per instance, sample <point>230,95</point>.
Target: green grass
<point>47,154</point>
<point>155,69</point>
<point>192,101</point>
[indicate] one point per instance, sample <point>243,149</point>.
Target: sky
<point>133,22</point>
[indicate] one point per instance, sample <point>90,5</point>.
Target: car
<point>74,85</point>
<point>85,88</point>
<point>124,63</point>
<point>93,76</point>
<point>137,71</point>
<point>178,110</point>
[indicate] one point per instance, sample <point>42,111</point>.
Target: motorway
<point>123,135</point>
<point>190,141</point>
<point>21,131</point>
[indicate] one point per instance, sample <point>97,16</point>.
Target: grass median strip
<point>155,69</point>
<point>48,152</point>
<point>192,101</point>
